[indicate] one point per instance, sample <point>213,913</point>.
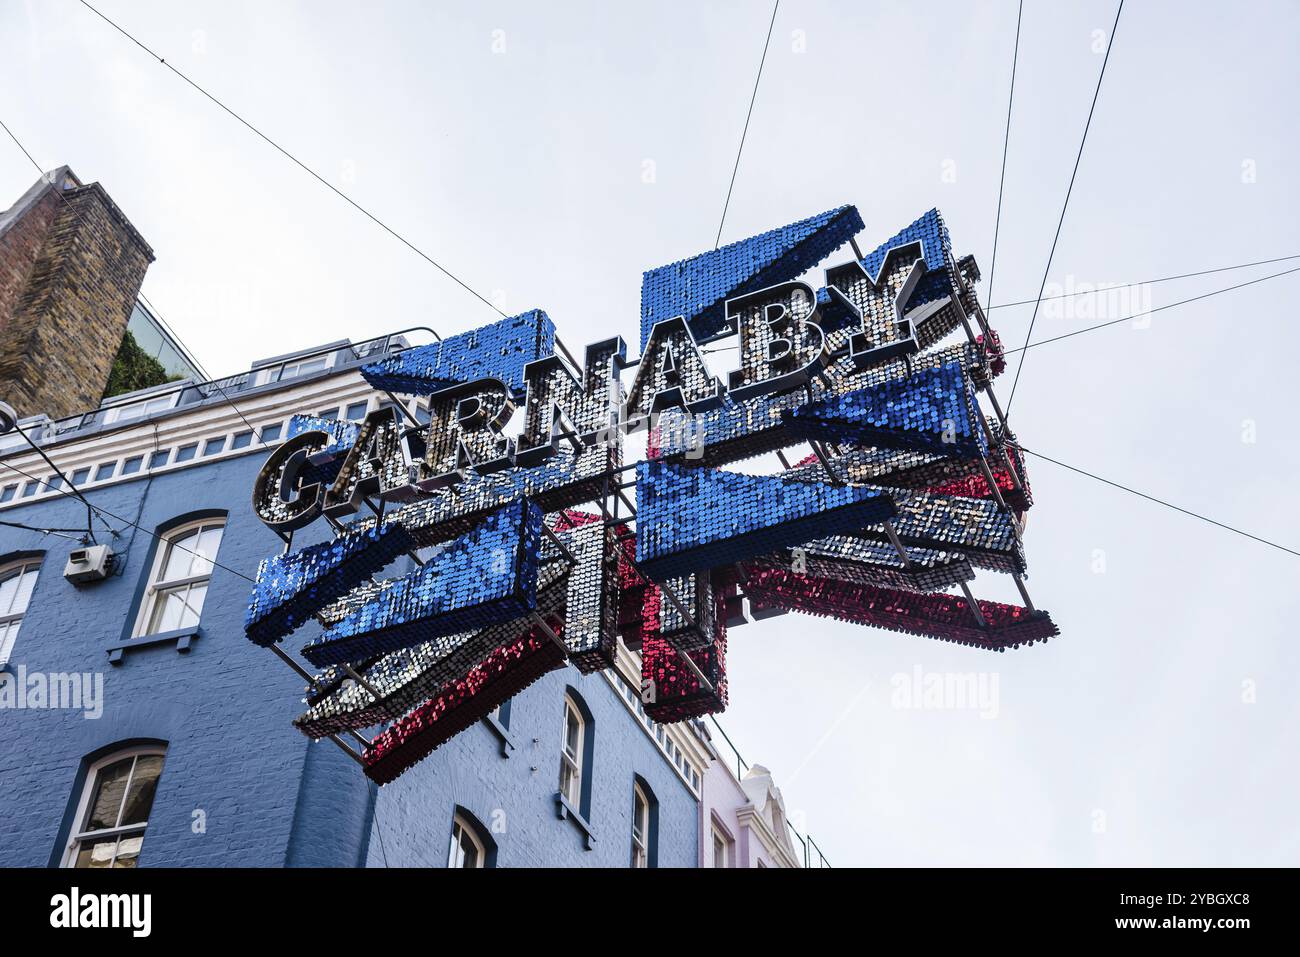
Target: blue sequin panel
<point>694,519</point>
<point>486,576</point>
<point>699,287</point>
<point>933,410</point>
<point>499,350</point>
<point>751,427</point>
<point>292,587</point>
<point>936,247</point>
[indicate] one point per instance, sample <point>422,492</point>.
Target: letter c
<point>280,497</point>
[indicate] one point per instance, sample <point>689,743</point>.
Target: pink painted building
<point>742,821</point>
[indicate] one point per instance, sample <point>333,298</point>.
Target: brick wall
<point>20,245</point>
<point>70,270</point>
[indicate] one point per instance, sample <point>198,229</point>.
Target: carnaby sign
<point>538,545</point>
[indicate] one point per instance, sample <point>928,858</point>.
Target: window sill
<point>503,736</point>
<point>564,809</point>
<point>181,637</point>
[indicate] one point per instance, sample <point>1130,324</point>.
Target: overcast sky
<point>549,153</point>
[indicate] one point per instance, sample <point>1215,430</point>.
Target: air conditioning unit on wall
<point>91,564</point>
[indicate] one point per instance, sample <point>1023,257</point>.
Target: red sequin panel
<point>976,486</point>
<point>572,518</point>
<point>946,617</point>
<point>993,351</point>
<point>676,692</point>
<point>505,672</point>
<point>631,591</point>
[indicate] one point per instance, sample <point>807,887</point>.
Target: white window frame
<point>640,827</point>
<point>16,569</point>
<point>79,835</point>
<point>728,847</point>
<point>292,368</point>
<point>158,587</point>
<point>460,827</point>
<point>571,764</point>
<point>117,413</point>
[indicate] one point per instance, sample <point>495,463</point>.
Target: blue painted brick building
<point>139,727</point>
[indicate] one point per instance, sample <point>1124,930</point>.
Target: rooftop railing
<point>809,846</point>
<point>186,393</point>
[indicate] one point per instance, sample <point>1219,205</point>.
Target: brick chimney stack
<point>71,266</point>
